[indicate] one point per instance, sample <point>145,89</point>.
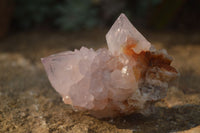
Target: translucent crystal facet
<point>120,32</point>
<point>129,77</point>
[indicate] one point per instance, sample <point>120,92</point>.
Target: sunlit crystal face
<point>120,32</point>
<point>127,78</point>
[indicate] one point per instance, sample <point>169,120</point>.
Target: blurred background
<point>75,15</point>
<point>35,25</point>
<point>32,29</point>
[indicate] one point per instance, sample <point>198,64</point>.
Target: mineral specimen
<point>129,77</point>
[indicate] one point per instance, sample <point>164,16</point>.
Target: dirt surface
<point>28,103</point>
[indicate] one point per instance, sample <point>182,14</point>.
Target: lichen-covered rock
<point>127,78</point>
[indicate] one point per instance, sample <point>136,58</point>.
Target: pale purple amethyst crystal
<point>119,33</point>
<point>127,78</point>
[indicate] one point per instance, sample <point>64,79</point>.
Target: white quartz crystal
<point>129,77</point>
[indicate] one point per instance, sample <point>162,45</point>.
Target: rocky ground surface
<point>28,103</point>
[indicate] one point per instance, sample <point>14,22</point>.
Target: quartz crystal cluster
<point>128,77</point>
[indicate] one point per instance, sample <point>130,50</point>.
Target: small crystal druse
<point>128,77</point>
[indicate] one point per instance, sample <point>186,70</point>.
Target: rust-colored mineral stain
<point>128,49</point>
<point>140,58</point>
<point>148,59</point>
<point>137,74</point>
<point>160,61</point>
<point>157,59</point>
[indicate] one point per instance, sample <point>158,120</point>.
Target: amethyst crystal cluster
<point>129,76</point>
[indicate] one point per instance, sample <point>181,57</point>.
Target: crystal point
<point>120,32</point>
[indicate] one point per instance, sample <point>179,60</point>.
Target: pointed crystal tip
<point>122,31</point>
